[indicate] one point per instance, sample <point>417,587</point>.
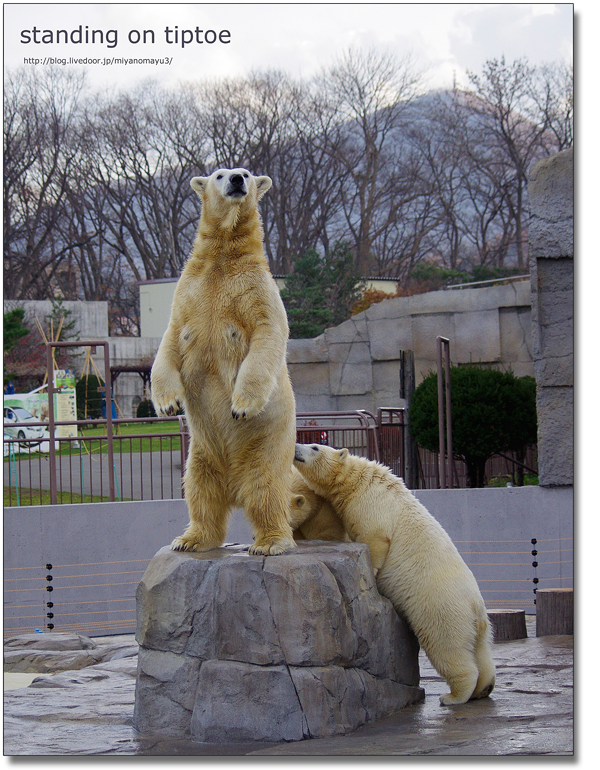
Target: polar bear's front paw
<point>271,546</point>
<point>246,407</point>
<point>167,407</point>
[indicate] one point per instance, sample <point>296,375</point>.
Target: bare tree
<point>369,93</point>
<point>42,148</point>
<point>148,211</point>
<point>551,91</point>
<point>97,194</point>
<point>519,132</point>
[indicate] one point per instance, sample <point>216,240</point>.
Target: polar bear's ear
<point>299,500</point>
<point>263,183</point>
<point>199,183</point>
<point>343,453</point>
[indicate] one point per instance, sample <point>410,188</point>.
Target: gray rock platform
<point>236,647</point>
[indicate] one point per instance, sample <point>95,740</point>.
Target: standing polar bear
<point>223,357</point>
<point>415,563</point>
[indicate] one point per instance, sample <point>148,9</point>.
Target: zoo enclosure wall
<point>76,568</point>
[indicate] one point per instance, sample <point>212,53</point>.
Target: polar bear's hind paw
<point>269,546</point>
<point>187,543</point>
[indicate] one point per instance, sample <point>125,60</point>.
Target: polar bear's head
<point>231,186</point>
<point>319,464</point>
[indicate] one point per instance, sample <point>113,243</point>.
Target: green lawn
<point>136,444</point>
<point>63,498</point>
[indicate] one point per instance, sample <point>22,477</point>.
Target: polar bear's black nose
<point>237,180</point>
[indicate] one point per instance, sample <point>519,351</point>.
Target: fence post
<point>109,425</point>
<point>51,427</point>
<point>443,350</point>
<point>407,388</point>
<point>108,401</point>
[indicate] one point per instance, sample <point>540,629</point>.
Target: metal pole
<point>448,414</point>
<point>442,445</point>
<point>52,456</point>
<point>109,424</point>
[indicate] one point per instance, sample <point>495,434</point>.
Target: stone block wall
<point>551,255</point>
<point>356,364</point>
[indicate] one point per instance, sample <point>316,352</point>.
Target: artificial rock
<point>236,647</point>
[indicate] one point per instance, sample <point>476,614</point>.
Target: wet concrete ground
<point>530,712</point>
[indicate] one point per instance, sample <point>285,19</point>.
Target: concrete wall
<point>156,298</point>
<point>99,551</point>
<point>91,318</point>
<point>356,364</point>
<point>551,254</point>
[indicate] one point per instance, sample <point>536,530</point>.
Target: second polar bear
<point>416,564</point>
<point>311,516</point>
<point>223,356</point>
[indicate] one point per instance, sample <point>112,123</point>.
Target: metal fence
<point>141,466</point>
<point>128,465</point>
<point>355,430</point>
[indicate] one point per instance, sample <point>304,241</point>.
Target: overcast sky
<point>446,39</point>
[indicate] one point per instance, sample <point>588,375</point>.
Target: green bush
<point>492,412</point>
<point>89,398</point>
<point>321,291</point>
<point>145,409</point>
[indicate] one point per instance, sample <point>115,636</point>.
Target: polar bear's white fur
<point>223,357</point>
<point>416,564</point>
<point>311,516</point>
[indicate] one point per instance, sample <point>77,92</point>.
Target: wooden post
<point>554,611</point>
<point>508,624</point>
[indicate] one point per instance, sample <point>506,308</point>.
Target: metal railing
<point>355,430</point>
<point>488,282</point>
<point>97,468</point>
<point>150,465</point>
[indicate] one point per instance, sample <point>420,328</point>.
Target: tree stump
<point>508,624</point>
<point>554,611</point>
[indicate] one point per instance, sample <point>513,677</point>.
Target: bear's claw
<point>168,408</point>
<point>183,543</point>
<point>270,547</point>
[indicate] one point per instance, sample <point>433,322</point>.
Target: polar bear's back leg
<point>462,676</point>
<point>450,648</point>
<point>466,663</point>
<point>261,482</point>
<point>484,662</point>
<point>267,506</point>
<point>208,505</point>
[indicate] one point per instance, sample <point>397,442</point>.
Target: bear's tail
<point>483,659</point>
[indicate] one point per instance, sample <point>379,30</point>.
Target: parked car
<point>13,416</point>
